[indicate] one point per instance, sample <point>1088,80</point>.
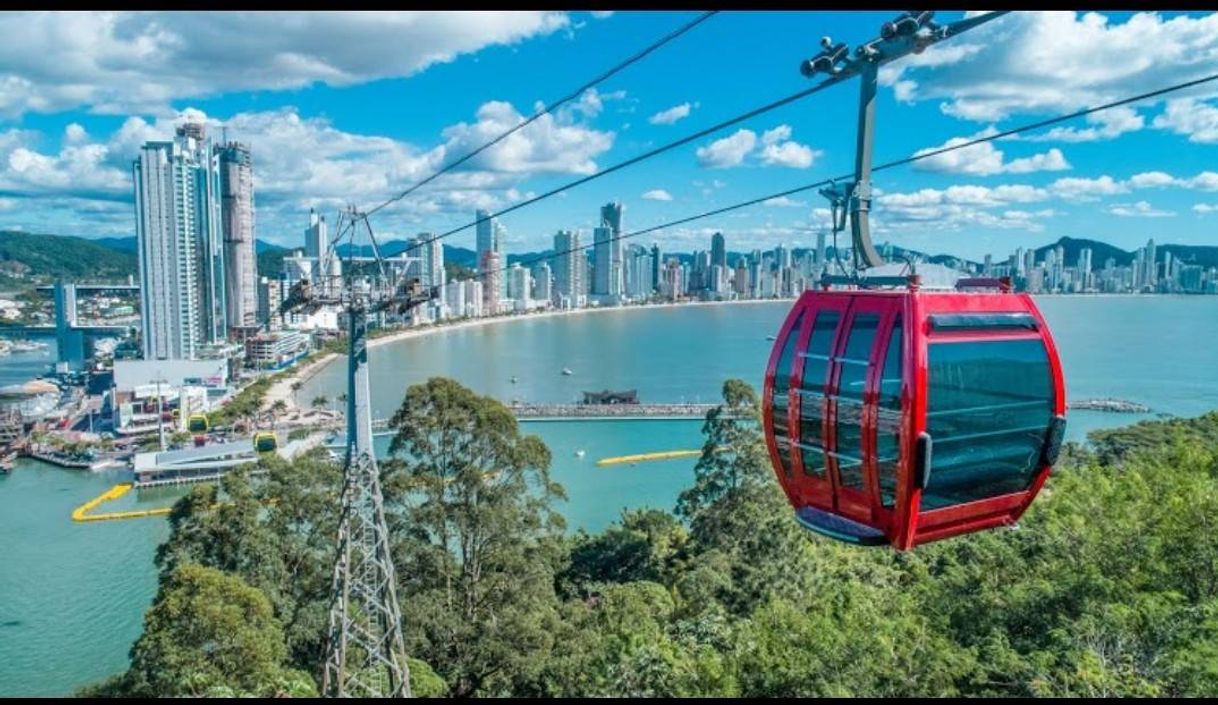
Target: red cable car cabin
<point>902,417</point>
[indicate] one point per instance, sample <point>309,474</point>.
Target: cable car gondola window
<point>780,402</point>
<point>851,385</point>
<point>888,418</point>
<point>812,394</point>
<point>989,408</point>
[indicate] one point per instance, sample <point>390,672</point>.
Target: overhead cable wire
<point>629,61</point>
<point>717,127</point>
<point>882,167</point>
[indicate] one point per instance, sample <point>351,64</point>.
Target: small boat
<point>567,371</point>
<point>770,337</point>
<point>579,453</point>
<point>513,379</point>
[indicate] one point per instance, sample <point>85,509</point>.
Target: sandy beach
<point>282,389</point>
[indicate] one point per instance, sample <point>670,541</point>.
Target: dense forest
<point>1108,587</point>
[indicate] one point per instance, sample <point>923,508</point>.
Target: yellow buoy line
<point>81,513</point>
<point>642,457</point>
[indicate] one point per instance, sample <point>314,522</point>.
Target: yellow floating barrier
<point>81,513</point>
<point>641,457</point>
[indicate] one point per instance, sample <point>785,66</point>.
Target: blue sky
<point>351,107</point>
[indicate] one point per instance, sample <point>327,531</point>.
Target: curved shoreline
<point>282,389</point>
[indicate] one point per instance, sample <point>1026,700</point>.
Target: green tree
<point>641,547</point>
<point>476,540</point>
<point>734,456</point>
<point>208,633</point>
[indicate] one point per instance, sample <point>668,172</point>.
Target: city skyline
<point>1124,176</point>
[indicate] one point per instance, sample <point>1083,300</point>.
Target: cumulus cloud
<point>1060,61</point>
<point>1091,189</point>
<point>985,159</point>
<point>657,194</point>
<point>305,162</point>
<point>1083,189</point>
<point>959,206</point>
<point>784,202</point>
<point>1196,119</point>
<point>673,114</point>
<point>115,62</point>
<point>777,149</point>
<point>729,151</point>
<point>1141,209</point>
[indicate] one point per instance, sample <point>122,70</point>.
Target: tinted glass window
<point>852,383</point>
<point>782,382</point>
<point>811,397</point>
<point>888,418</point>
<point>989,406</point>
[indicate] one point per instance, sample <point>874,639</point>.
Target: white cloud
<point>1205,208</point>
<point>985,159</point>
<point>792,154</point>
<point>657,194</point>
<point>776,135</point>
<point>1141,209</point>
<point>118,62</point>
<point>1112,123</point>
<point>1060,61</point>
<point>1194,118</point>
<point>777,149</point>
<point>673,114</point>
<point>963,205</point>
<point>784,202</point>
<point>336,167</point>
<point>729,151</point>
<point>1083,189</point>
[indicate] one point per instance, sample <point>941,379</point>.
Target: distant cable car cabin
<point>197,423</point>
<point>265,442</point>
<point>903,416</point>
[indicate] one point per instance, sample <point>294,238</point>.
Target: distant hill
<point>48,257</point>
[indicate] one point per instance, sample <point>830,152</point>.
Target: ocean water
<point>72,596</point>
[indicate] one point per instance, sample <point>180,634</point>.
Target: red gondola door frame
<point>812,490</point>
<point>850,502</point>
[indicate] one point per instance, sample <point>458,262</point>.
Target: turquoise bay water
<point>72,596</point>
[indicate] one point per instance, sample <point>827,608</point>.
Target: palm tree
<point>320,401</point>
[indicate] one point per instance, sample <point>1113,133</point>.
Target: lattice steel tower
<point>365,651</point>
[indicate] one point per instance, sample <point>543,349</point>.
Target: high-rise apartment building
<point>569,265</point>
<point>237,217</point>
<point>181,250</point>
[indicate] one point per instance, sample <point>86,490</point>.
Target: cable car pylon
<point>910,33</point>
<point>365,652</point>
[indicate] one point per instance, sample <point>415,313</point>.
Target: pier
<point>596,412</point>
<point>1116,406</point>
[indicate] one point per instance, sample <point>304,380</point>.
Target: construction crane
<point>365,652</point>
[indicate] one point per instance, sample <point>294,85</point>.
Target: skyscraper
<point>542,283</point>
<point>181,253</point>
<point>317,242</point>
<point>602,262</point>
<point>486,231</point>
<point>611,219</point>
<point>657,267</point>
<point>431,252</point>
<point>237,216</point>
<point>492,282</point>
<point>569,264</point>
<point>718,250</point>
